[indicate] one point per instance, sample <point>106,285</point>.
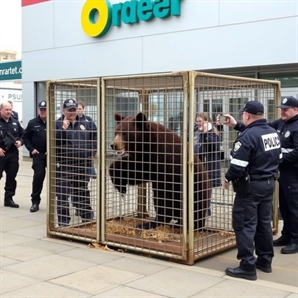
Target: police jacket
<point>256,151</point>
<point>15,129</point>
<point>85,118</point>
<point>79,140</point>
<point>15,115</point>
<point>288,134</point>
<point>207,147</point>
<point>35,135</point>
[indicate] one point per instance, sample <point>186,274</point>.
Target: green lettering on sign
<point>129,12</point>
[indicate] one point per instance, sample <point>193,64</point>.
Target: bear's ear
<point>141,120</point>
<point>118,118</point>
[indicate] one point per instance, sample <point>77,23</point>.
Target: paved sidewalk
<point>35,266</point>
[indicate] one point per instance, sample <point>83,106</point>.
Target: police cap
<point>69,104</point>
<point>288,102</point>
<point>42,105</point>
<point>253,107</point>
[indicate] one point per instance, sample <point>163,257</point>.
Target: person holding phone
<point>207,147</point>
<point>255,158</point>
<point>287,129</point>
<point>76,144</point>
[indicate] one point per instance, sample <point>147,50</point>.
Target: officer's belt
<point>42,152</point>
<point>261,179</point>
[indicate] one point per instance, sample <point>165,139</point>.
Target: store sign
<point>98,16</point>
<point>11,71</point>
<point>11,94</point>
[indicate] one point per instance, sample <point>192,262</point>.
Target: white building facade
<point>248,38</point>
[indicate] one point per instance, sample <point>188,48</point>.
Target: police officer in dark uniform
<point>287,128</point>
<point>83,118</point>
<point>76,143</point>
<point>35,140</point>
<point>14,114</point>
<point>11,133</point>
<point>91,170</point>
<point>255,158</point>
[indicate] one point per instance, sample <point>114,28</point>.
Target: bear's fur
<point>150,152</point>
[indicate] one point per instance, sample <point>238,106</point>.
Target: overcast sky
<point>11,26</point>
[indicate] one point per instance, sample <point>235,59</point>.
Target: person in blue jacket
<point>76,145</point>
<point>207,147</point>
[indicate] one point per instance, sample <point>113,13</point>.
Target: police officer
<point>35,140</point>
<point>14,114</point>
<point>11,133</point>
<point>83,118</point>
<point>76,143</point>
<point>91,170</point>
<point>255,158</point>
<point>287,127</point>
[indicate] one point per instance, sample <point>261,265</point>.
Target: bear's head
<point>130,134</point>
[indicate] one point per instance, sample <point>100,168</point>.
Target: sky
<point>11,26</point>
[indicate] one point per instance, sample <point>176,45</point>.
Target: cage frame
<point>189,252</point>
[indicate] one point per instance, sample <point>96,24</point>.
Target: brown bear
<point>150,152</point>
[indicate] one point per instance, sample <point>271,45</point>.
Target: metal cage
<point>188,230</point>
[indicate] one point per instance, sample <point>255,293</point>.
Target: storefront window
<point>287,80</point>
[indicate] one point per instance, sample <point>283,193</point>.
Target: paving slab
<point>33,265</point>
<point>95,279</point>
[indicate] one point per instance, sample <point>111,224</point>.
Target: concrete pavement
<point>33,265</point>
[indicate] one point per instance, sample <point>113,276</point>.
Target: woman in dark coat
<point>207,146</point>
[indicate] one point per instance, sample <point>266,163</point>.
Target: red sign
<point>31,2</point>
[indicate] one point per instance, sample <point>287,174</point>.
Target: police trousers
<point>288,202</point>
<point>72,180</point>
<point>252,215</point>
<point>10,164</point>
<point>39,164</point>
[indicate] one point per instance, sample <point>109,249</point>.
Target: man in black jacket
<point>11,133</point>
<point>287,127</point>
<point>76,145</point>
<point>35,140</point>
<point>255,157</point>
<point>14,114</point>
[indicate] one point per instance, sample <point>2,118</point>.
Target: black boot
<point>282,241</point>
<point>290,249</point>
<point>265,267</point>
<point>10,203</point>
<point>34,207</point>
<point>240,273</point>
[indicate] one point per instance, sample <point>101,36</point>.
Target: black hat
<point>288,102</point>
<point>42,105</point>
<point>253,107</point>
<point>70,104</point>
